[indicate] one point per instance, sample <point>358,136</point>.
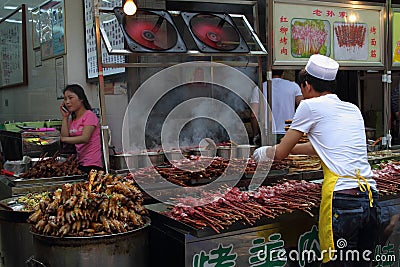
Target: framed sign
<point>396,37</point>
<point>350,34</point>
<point>113,31</point>
<point>13,60</point>
<point>36,28</point>
<point>52,29</point>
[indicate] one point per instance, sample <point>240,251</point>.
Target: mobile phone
<point>65,108</point>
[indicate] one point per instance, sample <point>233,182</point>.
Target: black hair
<point>319,85</point>
<point>78,90</point>
<point>277,72</point>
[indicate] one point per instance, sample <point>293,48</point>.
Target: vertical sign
<point>114,33</point>
<point>396,38</point>
<point>52,35</point>
<point>13,49</point>
<point>350,34</point>
<point>36,28</point>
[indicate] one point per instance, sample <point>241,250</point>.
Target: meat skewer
<point>248,207</point>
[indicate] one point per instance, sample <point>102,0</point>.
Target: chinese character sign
<point>218,257</point>
<point>396,37</point>
<point>308,247</point>
<point>339,31</point>
<point>268,254</point>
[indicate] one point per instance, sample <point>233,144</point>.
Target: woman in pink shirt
<point>82,130</point>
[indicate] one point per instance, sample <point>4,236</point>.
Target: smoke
<point>163,111</point>
<point>175,106</point>
<point>206,118</point>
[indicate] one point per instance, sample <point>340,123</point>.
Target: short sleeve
<point>303,118</point>
<point>297,88</point>
<point>90,119</point>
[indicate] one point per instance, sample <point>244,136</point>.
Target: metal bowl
<point>171,155</point>
<point>150,158</point>
<point>124,161</point>
<point>245,151</point>
<point>226,152</point>
<point>202,152</point>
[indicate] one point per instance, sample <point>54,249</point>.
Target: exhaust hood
<point>162,31</point>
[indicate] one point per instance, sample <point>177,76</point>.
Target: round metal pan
<point>15,215</point>
<point>87,239</point>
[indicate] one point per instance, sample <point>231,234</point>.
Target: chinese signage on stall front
<point>396,38</point>
<point>272,251</point>
<point>350,35</point>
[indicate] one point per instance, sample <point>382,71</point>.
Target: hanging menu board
<point>350,34</point>
<point>52,34</point>
<point>13,49</point>
<point>396,37</point>
<point>36,28</point>
<point>114,33</point>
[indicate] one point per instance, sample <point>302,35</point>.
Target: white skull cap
<point>322,67</point>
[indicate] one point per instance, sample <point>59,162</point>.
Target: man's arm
<point>287,144</point>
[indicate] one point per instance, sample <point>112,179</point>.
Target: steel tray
<point>13,215</point>
<point>158,218</point>
<point>271,173</point>
<point>30,181</point>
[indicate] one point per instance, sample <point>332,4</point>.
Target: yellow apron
<point>325,230</point>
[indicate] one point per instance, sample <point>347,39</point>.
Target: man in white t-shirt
<point>349,208</point>
<point>286,96</point>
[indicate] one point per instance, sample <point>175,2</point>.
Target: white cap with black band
<point>322,67</point>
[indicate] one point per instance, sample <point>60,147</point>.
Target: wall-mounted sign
<point>13,58</point>
<point>396,38</point>
<point>36,28</point>
<point>48,26</point>
<point>114,33</point>
<point>352,35</point>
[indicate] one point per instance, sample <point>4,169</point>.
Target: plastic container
<point>34,124</point>
<point>12,127</point>
<point>53,124</point>
<point>17,166</point>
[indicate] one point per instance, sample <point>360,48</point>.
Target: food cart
<point>175,243</point>
<point>196,247</point>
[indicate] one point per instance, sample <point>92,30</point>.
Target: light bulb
<point>130,7</point>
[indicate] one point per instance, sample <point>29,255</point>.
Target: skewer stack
<point>303,139</point>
